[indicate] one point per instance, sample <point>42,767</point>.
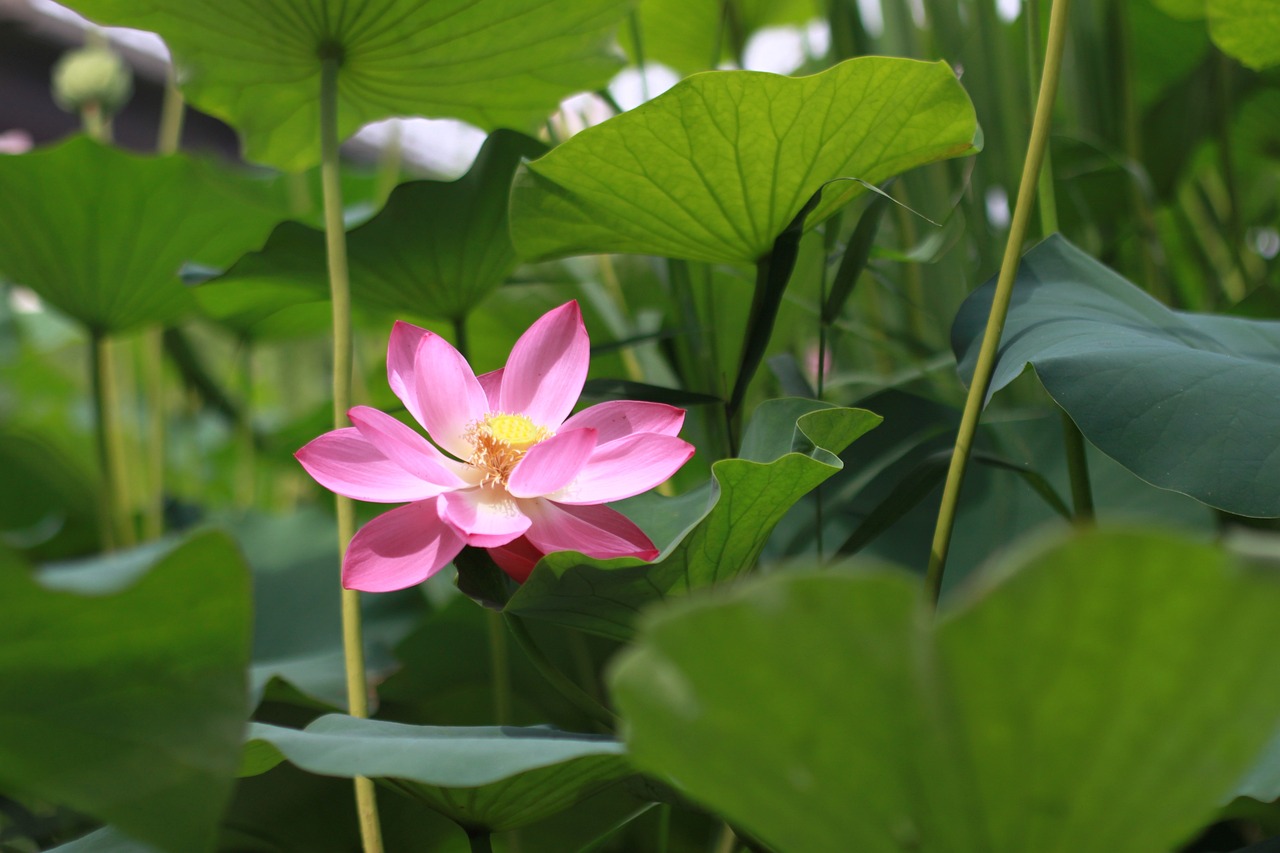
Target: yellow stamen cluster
<point>500,441</point>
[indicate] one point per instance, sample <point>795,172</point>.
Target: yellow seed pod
<point>92,74</point>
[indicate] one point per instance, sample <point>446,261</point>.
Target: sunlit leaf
<point>720,530</point>
<point>257,63</point>
<point>1185,401</point>
<point>101,234</point>
<point>715,168</point>
<point>122,687</point>
<point>1249,30</point>
<point>1119,673</point>
<point>490,778</point>
<point>696,35</point>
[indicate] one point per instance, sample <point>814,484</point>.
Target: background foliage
<point>800,263</point>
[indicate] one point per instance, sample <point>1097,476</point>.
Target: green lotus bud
<point>89,75</point>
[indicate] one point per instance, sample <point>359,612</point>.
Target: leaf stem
<point>499,668</point>
<point>340,295</point>
<point>167,142</point>
<point>246,451</point>
<point>172,112</point>
<point>1000,303</point>
<point>578,697</point>
<point>1072,438</point>
<point>117,526</point>
<point>460,341</point>
<point>479,841</point>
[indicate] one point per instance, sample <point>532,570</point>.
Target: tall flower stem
<point>340,296</point>
<point>1000,303</point>
<point>152,348</point>
<point>117,521</point>
<point>500,668</point>
<point>1072,438</point>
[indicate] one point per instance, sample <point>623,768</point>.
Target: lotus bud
<point>94,74</point>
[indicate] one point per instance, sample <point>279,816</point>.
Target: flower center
<point>500,441</point>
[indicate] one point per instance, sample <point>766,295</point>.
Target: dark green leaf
<point>491,778</point>
<point>788,450</point>
<point>297,633</point>
<point>854,260</point>
<point>436,250</point>
<point>625,389</point>
<point>125,698</point>
<point>1185,401</point>
<point>102,235</point>
<point>1117,673</point>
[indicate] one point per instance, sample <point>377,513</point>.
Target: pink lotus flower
<point>524,478</point>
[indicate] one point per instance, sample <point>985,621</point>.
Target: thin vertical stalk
<point>340,295</point>
<point>637,40</point>
<point>246,452</point>
<point>460,341</point>
<point>106,494</point>
<point>95,123</point>
<point>1072,438</point>
<point>118,529</point>
<point>727,841</point>
<point>152,352</point>
<point>664,828</point>
<point>1000,303</point>
<point>172,112</point>
<point>499,668</point>
<point>152,349</point>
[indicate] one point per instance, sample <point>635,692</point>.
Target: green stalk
<point>167,142</point>
<point>246,452</point>
<point>500,668</point>
<point>172,111</point>
<point>100,380</point>
<point>95,123</point>
<point>152,352</point>
<point>111,448</point>
<point>479,841</point>
<point>389,164</point>
<point>579,698</point>
<point>1000,303</point>
<point>1072,438</point>
<point>340,295</point>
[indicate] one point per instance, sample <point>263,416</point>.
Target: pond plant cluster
<point>675,484</point>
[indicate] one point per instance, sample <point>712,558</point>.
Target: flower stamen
<point>499,442</point>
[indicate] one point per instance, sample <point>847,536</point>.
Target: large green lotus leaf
<point>1183,10</point>
<point>696,35</point>
<point>297,632</point>
<point>257,63</point>
<point>108,839</point>
<point>1249,30</point>
<point>483,777</point>
<point>1100,693</point>
<point>122,689</point>
<point>101,234</point>
<point>1186,401</point>
<point>715,168</point>
<point>56,512</point>
<point>789,450</point>
<point>436,249</point>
